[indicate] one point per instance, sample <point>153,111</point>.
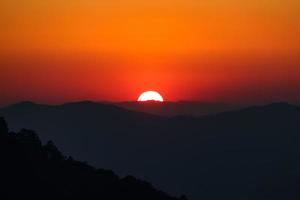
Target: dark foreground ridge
<point>251,153</point>
<point>30,170</point>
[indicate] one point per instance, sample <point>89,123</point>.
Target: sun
<point>150,96</point>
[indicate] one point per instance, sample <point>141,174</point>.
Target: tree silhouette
<point>52,151</point>
<point>3,127</point>
<point>30,170</point>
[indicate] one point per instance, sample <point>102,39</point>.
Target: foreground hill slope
<point>31,170</point>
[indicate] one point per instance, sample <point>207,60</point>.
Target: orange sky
<point>219,50</point>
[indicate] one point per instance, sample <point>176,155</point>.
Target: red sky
<point>223,51</point>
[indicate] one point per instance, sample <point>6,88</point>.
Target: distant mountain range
<point>178,108</point>
<point>249,153</point>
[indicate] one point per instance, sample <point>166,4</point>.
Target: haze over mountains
<point>252,153</point>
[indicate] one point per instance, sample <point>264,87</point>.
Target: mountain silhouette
<point>171,109</point>
<point>251,153</point>
<point>30,170</point>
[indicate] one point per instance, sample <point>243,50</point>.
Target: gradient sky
<point>54,51</point>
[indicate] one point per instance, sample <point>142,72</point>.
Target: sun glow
<point>150,96</point>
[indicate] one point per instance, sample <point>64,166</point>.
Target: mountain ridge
<point>222,152</point>
<point>32,170</point>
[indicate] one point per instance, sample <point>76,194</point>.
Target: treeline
<point>31,170</point>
